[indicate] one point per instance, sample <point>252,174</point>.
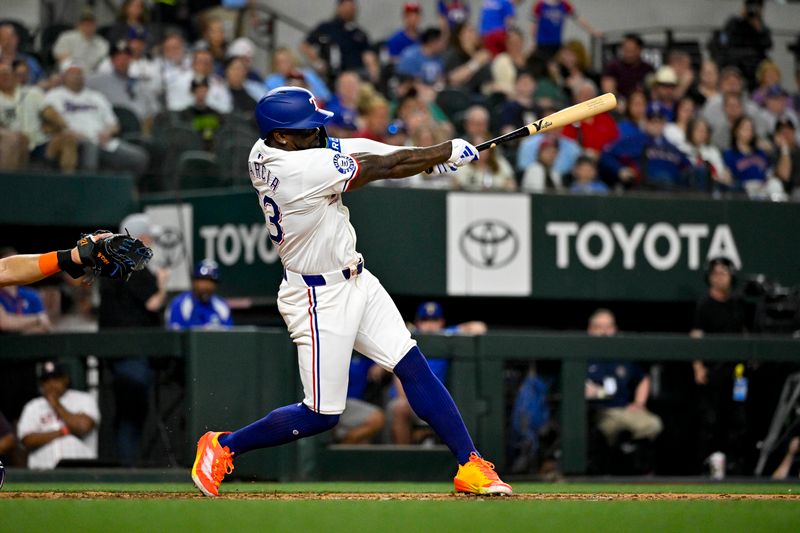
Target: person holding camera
<point>721,412</point>
<point>749,36</point>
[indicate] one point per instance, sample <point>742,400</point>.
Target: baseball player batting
<point>331,303</point>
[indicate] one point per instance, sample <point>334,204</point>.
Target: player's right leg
<point>322,323</point>
<point>384,338</point>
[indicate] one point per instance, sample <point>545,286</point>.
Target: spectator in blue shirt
<point>646,159</point>
<point>429,320</point>
<point>200,307</point>
<point>21,308</point>
<point>585,178</point>
<point>409,35</point>
<point>632,122</point>
<point>568,152</point>
<point>549,17</point>
<point>344,105</point>
<point>9,52</point>
<point>424,60</point>
<point>496,16</point>
<point>618,390</point>
<point>749,166</point>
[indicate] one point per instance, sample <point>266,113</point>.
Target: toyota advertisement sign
<point>430,243</point>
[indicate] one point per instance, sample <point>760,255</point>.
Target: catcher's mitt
<point>115,257</point>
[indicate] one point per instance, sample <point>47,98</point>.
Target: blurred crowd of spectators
<point>135,96</point>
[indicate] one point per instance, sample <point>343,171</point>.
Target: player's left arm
<point>410,161</point>
<point>355,145</point>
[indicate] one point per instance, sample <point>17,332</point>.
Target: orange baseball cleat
<point>477,476</point>
<point>212,463</point>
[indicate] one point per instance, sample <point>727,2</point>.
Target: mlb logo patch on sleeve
<point>344,164</point>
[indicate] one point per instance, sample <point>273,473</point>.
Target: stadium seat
<point>198,169</point>
<point>173,140</point>
<point>233,145</point>
<point>129,124</point>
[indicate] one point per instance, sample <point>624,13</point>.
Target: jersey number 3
<point>274,218</point>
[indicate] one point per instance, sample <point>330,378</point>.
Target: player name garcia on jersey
<point>300,195</point>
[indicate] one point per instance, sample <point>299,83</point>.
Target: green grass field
<point>389,507</point>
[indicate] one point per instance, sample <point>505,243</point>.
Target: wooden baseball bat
<point>575,113</point>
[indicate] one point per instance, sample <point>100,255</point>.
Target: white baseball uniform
<point>38,417</point>
<point>330,302</point>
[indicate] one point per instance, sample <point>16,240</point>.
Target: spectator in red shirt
<point>627,73</point>
<point>593,133</point>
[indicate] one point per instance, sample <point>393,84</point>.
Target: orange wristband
<point>65,430</point>
<point>48,263</point>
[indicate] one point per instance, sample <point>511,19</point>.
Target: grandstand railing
<point>235,377</point>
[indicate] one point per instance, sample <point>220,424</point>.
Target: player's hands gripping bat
<point>114,257</point>
<point>462,153</point>
<point>559,119</point>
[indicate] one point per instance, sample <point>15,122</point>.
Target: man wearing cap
<point>776,108</point>
<point>408,34</point>
<point>82,44</point>
<point>663,90</point>
<point>123,90</point>
<point>244,50</point>
<point>89,116</point>
<point>61,423</point>
<point>200,307</point>
<point>429,320</point>
<point>646,158</point>
<point>139,303</point>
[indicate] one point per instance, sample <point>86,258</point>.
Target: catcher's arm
<point>30,268</point>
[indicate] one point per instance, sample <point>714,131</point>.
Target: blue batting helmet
<point>291,108</point>
<point>206,269</point>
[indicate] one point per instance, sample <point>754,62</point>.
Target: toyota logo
<point>489,244</point>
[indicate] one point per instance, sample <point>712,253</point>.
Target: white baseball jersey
<point>38,417</point>
<point>88,112</point>
<point>328,309</point>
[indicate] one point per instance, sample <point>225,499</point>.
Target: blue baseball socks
<point>426,395</point>
<point>285,424</point>
<point>433,403</point>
